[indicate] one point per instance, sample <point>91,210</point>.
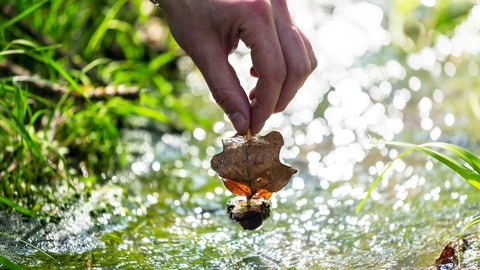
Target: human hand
<point>282,56</point>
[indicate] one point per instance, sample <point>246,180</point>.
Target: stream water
<point>172,214</point>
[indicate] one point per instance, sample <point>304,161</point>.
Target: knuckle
<point>261,6</point>
<point>301,70</point>
<point>280,74</point>
<point>263,107</point>
<point>260,9</point>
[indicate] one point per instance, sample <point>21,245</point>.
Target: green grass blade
<point>9,52</point>
<point>473,177</point>
<point>28,244</point>
<point>23,42</point>
<point>22,15</point>
<point>17,207</point>
<point>20,106</point>
<point>36,115</point>
<point>95,63</point>
<point>9,264</point>
<point>462,153</point>
<point>159,61</point>
<point>26,43</point>
<point>97,37</point>
<point>375,183</point>
<point>470,224</point>
<point>62,72</point>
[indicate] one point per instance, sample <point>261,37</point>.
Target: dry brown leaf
<point>448,255</point>
<point>252,167</point>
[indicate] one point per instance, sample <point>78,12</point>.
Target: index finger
<point>259,34</point>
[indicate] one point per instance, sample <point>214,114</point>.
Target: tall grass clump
<point>27,157</point>
<point>72,73</point>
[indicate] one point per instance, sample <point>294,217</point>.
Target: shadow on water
<point>172,213</point>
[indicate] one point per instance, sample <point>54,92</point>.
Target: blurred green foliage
<point>414,25</point>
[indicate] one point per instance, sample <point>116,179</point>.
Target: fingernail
<point>238,121</point>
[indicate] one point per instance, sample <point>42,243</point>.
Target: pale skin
<point>282,57</point>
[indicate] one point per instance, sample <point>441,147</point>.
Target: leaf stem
<point>248,136</point>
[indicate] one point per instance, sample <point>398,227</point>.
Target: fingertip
<point>239,122</point>
<point>259,115</point>
<point>256,128</point>
<point>280,108</point>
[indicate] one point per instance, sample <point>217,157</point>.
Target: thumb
<point>224,86</point>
